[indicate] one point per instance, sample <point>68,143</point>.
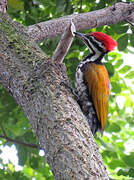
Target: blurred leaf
<point>108,146</point>
<point>10,167</point>
<point>110,154</point>
<point>34,162</point>
<point>126,172</point>
<point>116,87</point>
<point>60,5</point>
<point>129,160</point>
<point>131,172</point>
<point>130,75</point>
<point>121,29</point>
<point>28,171</point>
<point>114,127</point>
<point>115,163</point>
<point>132,40</point>
<point>22,154</point>
<point>122,42</point>
<point>16,4</point>
<point>122,172</point>
<point>109,68</point>
<point>125,69</point>
<point>118,63</point>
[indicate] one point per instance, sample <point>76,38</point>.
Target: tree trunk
<point>34,82</point>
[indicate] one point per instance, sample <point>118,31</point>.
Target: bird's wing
<point>97,80</point>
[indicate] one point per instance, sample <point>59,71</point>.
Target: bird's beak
<point>80,35</point>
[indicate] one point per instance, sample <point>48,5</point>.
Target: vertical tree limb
<point>64,44</point>
<point>3,6</point>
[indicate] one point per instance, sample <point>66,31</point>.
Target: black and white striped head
<point>97,41</point>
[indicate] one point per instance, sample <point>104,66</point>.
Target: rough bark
<point>110,15</point>
<point>34,82</point>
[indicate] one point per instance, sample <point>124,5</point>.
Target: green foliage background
<point>117,144</point>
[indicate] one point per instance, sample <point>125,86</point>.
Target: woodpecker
<point>92,84</point>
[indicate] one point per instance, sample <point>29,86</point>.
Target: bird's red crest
<point>109,43</point>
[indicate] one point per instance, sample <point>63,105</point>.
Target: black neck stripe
<point>96,45</point>
<point>97,60</point>
<point>88,44</point>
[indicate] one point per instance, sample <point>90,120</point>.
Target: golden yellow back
<point>98,83</point>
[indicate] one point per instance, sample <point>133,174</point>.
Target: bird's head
<point>97,41</point>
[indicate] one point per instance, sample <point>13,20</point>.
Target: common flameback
<point>92,84</point>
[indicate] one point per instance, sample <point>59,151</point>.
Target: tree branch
<point>3,6</point>
<point>20,142</point>
<point>106,16</point>
<point>64,44</point>
<point>130,19</point>
<point>55,116</point>
<point>17,141</point>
